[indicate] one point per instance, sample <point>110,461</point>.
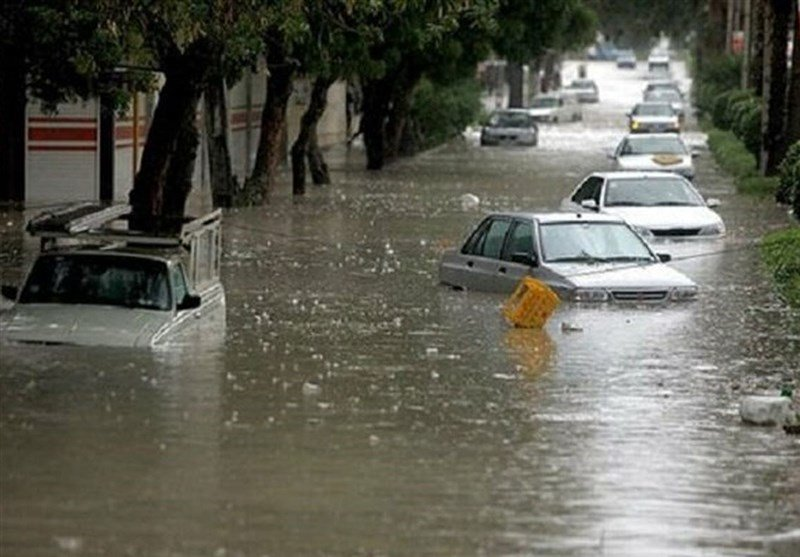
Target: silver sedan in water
<point>583,257</point>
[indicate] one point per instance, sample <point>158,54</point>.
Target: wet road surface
<point>347,404</point>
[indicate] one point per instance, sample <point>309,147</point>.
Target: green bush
<point>731,154</point>
<point>789,172</point>
<point>441,112</point>
<point>722,114</point>
<point>746,124</point>
<point>716,76</point>
<point>780,252</point>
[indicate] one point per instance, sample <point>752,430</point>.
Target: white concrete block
<point>766,410</point>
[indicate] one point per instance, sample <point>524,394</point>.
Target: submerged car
<point>654,151</point>
<point>555,107</point>
<point>510,126</point>
<point>656,204</point>
<point>626,59</point>
<point>670,96</point>
<point>653,117</point>
<point>583,257</point>
<point>585,90</point>
<point>111,286</point>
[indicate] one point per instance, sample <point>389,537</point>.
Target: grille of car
<point>676,232</point>
<point>639,295</point>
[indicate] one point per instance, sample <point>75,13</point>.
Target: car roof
<point>636,174</point>
<point>654,103</point>
<point>653,136</point>
<point>559,216</point>
<point>511,111</point>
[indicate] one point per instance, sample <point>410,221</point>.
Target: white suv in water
<point>111,286</point>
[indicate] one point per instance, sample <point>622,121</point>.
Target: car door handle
<point>470,263</point>
<point>502,270</point>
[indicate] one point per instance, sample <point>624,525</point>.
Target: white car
<point>127,289</point>
<point>656,204</point>
<point>653,117</point>
<point>584,89</point>
<point>654,152</point>
<point>583,257</point>
<point>555,107</point>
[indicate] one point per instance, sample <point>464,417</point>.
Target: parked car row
<point>600,245</point>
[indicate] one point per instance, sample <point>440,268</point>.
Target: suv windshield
<point>591,242</point>
<point>650,192</point>
<point>114,280</point>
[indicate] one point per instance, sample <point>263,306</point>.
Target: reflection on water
<point>346,404</point>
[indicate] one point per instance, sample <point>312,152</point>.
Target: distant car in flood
<point>666,95</point>
<point>585,90</point>
<point>654,152</point>
<point>513,126</point>
<point>656,204</point>
<point>626,58</point>
<point>555,107</point>
<point>653,117</point>
<point>583,257</point>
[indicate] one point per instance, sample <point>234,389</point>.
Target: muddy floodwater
<point>346,404</point>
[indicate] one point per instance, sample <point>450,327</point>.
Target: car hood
<point>654,162</point>
<point>82,325</point>
<point>665,217</point>
<point>621,275</point>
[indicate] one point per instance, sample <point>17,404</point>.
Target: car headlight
<point>634,124</point>
<point>683,293</point>
<point>712,230</point>
<point>589,295</point>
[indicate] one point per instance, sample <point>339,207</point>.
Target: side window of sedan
<point>520,240</point>
<point>494,239</point>
<point>178,283</point>
<point>474,243</point>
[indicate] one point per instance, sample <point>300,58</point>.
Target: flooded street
<point>347,404</point>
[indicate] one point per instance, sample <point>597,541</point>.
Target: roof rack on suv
<point>107,226</point>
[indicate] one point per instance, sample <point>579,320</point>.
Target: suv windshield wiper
<point>630,258</point>
<point>624,204</point>
<point>674,204</point>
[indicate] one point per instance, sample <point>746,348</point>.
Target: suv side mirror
<point>664,257</point>
<point>590,204</point>
<point>524,258</point>
<point>712,202</point>
<point>9,292</point>
<point>190,301</point>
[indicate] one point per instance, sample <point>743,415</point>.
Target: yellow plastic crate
<point>531,304</point>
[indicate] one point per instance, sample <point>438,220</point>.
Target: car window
<point>99,280</point>
<point>493,240</point>
<point>520,239</point>
<point>476,239</point>
<point>590,189</point>
<point>178,283</point>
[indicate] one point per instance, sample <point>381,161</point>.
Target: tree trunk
<point>398,113</point>
<point>373,118</point>
<point>13,103</point>
<point>755,80</point>
<point>793,104</point>
<point>273,124</point>
<point>748,40</point>
<point>711,41</point>
<point>515,73</point>
<point>316,162</point>
<point>773,119</point>
<point>164,177</point>
<point>301,147</point>
<point>223,183</point>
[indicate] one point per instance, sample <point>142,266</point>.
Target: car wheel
<point>555,119</point>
